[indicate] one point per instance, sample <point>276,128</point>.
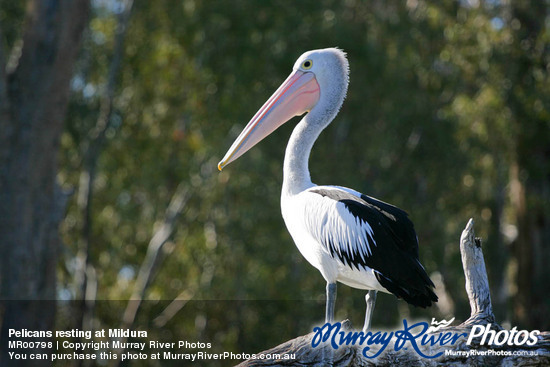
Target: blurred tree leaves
<point>446,98</point>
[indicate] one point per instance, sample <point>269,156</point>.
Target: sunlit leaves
<point>427,125</point>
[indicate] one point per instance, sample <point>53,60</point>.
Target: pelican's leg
<point>371,299</point>
<point>331,299</point>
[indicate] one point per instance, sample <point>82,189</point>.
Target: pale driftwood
<point>477,284</point>
<point>477,289</point>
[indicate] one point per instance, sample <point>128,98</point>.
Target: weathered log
<point>451,354</point>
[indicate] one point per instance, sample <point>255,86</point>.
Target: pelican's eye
<point>306,65</point>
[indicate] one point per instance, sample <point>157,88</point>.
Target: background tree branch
<point>152,259</point>
<point>85,280</point>
<point>92,151</point>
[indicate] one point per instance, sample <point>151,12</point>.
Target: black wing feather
<point>394,247</point>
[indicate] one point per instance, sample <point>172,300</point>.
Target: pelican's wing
<point>363,232</point>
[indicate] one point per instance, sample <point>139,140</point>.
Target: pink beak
<point>298,94</point>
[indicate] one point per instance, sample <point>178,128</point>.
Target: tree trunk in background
<point>34,94</point>
<point>530,177</point>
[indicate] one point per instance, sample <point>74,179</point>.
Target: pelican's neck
<point>296,177</point>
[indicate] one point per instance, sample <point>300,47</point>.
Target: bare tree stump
<point>477,288</point>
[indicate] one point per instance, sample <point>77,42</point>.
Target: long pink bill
<point>298,94</point>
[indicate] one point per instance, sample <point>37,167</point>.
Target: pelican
<point>349,237</point>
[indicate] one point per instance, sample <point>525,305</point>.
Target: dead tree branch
<point>477,284</point>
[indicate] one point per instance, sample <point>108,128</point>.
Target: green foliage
<point>11,18</point>
<point>427,125</point>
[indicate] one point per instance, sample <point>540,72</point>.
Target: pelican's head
<point>318,77</point>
